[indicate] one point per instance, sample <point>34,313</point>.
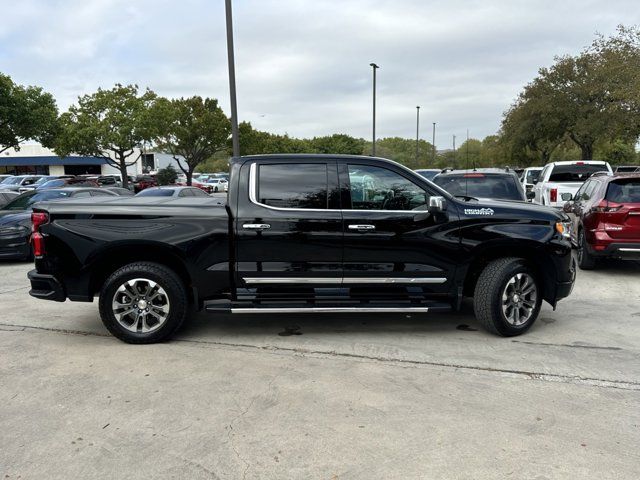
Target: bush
<point>167,175</point>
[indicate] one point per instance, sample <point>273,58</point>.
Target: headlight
<point>564,229</point>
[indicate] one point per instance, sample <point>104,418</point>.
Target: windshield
<point>532,176</point>
<point>500,187</point>
<point>24,201</point>
<point>159,192</point>
<point>575,172</point>
<point>52,183</point>
<point>43,180</point>
<point>11,181</point>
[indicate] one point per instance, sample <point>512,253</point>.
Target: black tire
<point>488,303</point>
<point>586,261</point>
<point>175,296</point>
<point>215,190</point>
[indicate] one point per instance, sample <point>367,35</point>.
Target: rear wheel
<point>507,297</point>
<point>143,303</point>
<point>586,261</point>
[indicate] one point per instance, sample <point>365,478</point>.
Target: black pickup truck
<point>303,233</point>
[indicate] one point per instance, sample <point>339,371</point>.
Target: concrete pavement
<point>360,396</point>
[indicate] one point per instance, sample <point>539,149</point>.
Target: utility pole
<point>232,82</point>
<point>373,148</point>
<point>417,133</point>
<point>433,145</point>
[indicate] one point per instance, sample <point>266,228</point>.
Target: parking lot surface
<point>324,396</point>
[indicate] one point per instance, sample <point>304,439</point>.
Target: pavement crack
<point>568,345</point>
<point>531,375</point>
<point>14,290</point>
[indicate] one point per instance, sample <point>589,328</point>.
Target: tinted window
<point>293,185</point>
<point>375,188</point>
<point>25,201</point>
<point>98,193</point>
<point>156,192</point>
<point>575,172</point>
<point>185,193</point>
<point>500,187</point>
<point>624,191</point>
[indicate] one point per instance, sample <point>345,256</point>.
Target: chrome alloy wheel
<point>519,299</point>
<point>140,305</point>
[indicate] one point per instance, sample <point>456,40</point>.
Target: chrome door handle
<point>256,226</point>
<point>362,228</point>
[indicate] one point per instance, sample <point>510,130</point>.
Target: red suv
<point>606,218</point>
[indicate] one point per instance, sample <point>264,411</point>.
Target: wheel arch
<point>115,257</point>
<point>535,257</point>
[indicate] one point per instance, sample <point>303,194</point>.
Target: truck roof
<point>575,162</point>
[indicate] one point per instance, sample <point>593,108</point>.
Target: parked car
<point>606,217</point>
<point>144,181</point>
<point>123,192</point>
<point>4,177</point>
<point>559,181</point>
<point>172,191</point>
<point>15,217</point>
<point>41,181</point>
<point>16,182</point>
<point>490,183</point>
<point>530,177</point>
<point>301,234</point>
<point>217,184</point>
<point>428,173</point>
<point>68,182</point>
<point>106,180</point>
<point>195,183</point>
<point>6,197</point>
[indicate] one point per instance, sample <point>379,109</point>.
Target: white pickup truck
<point>559,181</point>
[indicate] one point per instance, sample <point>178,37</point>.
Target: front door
<point>289,226</point>
<point>391,240</point>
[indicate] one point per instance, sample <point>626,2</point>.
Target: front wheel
<point>507,297</point>
<point>143,302</point>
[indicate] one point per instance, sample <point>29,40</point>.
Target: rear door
<point>390,238</point>
<point>289,224</point>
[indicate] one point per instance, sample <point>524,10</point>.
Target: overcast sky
<point>303,65</point>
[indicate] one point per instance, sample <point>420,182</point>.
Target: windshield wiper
<point>466,198</point>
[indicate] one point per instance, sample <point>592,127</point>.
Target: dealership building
<point>34,159</point>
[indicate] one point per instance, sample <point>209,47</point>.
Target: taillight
<point>37,219</point>
<point>605,206</point>
<point>37,240</point>
<point>553,195</point>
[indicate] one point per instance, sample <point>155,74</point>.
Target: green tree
<point>109,124</point>
<point>167,175</point>
<point>403,150</point>
<point>337,143</point>
<point>192,128</point>
<point>256,142</point>
<point>26,113</point>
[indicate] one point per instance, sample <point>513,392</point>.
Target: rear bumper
<point>623,250</point>
<point>46,287</point>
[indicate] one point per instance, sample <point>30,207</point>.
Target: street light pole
<point>417,133</point>
<point>454,151</point>
<point>433,144</point>
<point>374,67</point>
<point>232,82</point>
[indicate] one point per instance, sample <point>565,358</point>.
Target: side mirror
<point>566,197</point>
<point>531,195</point>
<point>437,204</point>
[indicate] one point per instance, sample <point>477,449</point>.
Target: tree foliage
<point>109,124</point>
<point>191,130</point>
<point>167,175</point>
<point>26,113</point>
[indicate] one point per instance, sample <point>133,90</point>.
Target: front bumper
<point>46,287</point>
